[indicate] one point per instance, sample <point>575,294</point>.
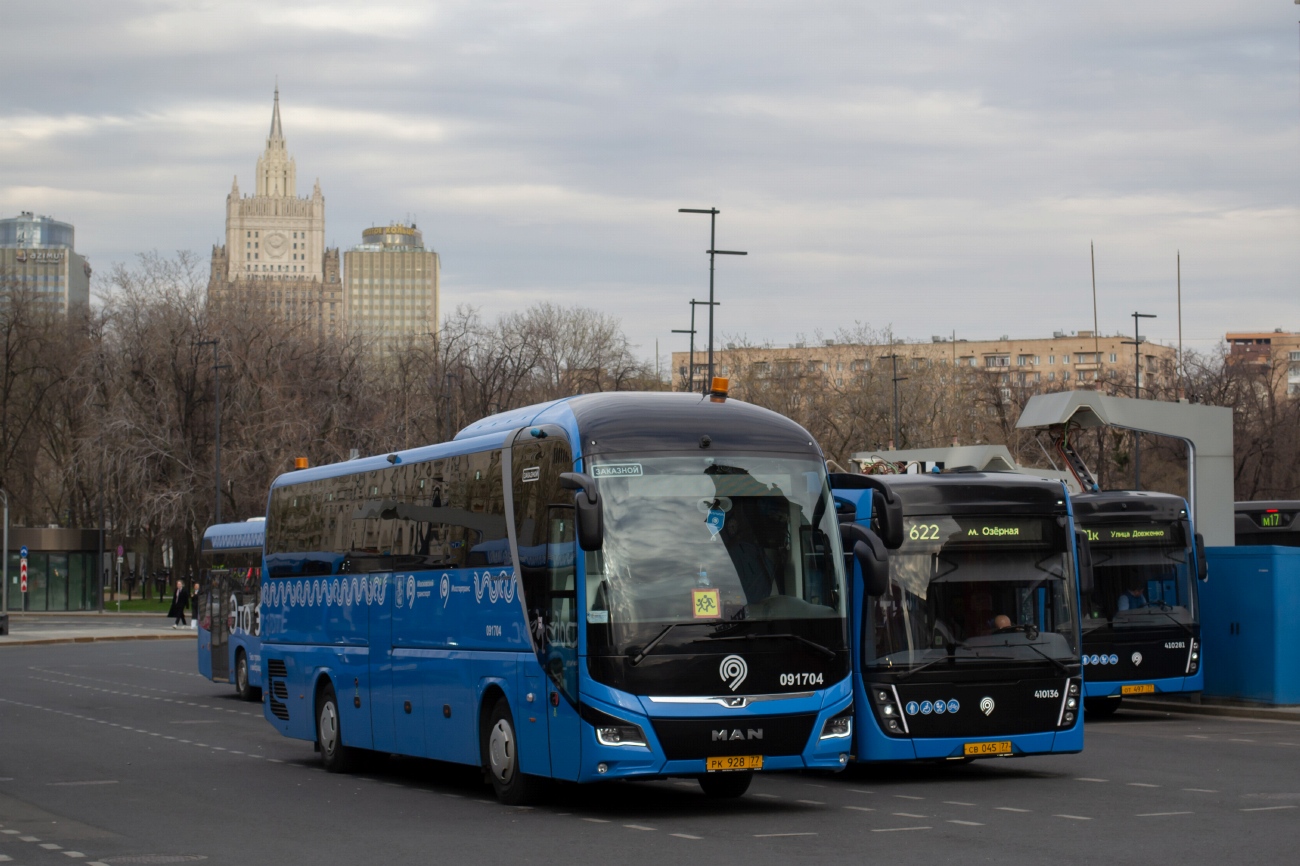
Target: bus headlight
<point>1194,657</point>
<point>838,727</point>
<point>889,712</point>
<point>620,735</point>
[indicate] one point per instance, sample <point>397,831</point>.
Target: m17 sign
<point>22,574</point>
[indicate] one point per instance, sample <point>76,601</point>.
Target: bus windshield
<point>972,588</point>
<point>723,540</point>
<point>1141,577</point>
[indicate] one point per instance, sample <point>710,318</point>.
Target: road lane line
<point>780,835</point>
<point>860,808</point>
<point>897,829</point>
<point>75,855</point>
<point>768,796</point>
<point>908,797</point>
<point>957,803</point>
<point>1011,809</point>
<point>811,802</point>
<point>596,820</point>
<point>1161,814</point>
<point>1267,808</point>
<point>966,823</point>
<point>639,827</point>
<point>908,815</point>
<point>686,836</point>
<point>859,791</point>
<point>1073,817</point>
<point>1142,785</point>
<point>1202,790</point>
<point>1087,779</point>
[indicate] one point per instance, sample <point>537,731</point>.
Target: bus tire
<point>334,756</point>
<point>1100,707</point>
<point>242,688</point>
<point>501,759</point>
<point>726,786</point>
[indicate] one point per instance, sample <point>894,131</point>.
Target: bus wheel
<point>501,759</point>
<point>726,786</point>
<point>242,688</point>
<point>1098,707</point>
<point>336,757</point>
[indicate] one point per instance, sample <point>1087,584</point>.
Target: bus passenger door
<point>560,644</point>
<point>220,615</point>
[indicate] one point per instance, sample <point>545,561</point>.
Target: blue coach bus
<point>230,591</point>
<point>611,586</point>
<point>966,645</point>
<point>1141,623</point>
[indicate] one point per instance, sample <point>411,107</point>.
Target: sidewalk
<point>28,629</point>
<point>1216,707</point>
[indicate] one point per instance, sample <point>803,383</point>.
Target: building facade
<point>38,254</point>
<point>275,251</point>
<point>1062,361</point>
<point>1275,353</point>
<point>392,286</point>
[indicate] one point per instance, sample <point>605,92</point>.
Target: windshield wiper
<point>1060,665</point>
<point>951,657</point>
<point>645,650</point>
<point>1152,609</point>
<point>824,650</point>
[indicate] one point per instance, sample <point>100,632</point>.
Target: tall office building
<point>392,285</point>
<point>38,253</point>
<point>275,244</point>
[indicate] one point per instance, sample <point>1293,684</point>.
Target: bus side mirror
<point>870,555</point>
<point>1085,562</point>
<point>586,502</point>
<point>886,507</point>
<point>1202,564</point>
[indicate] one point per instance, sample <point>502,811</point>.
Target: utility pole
<point>898,434</point>
<point>1137,394</point>
<point>712,251</point>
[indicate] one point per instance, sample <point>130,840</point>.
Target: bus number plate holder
<point>1142,689</point>
<point>975,750</point>
<point>733,762</point>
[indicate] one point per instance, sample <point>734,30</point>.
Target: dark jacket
<point>180,602</point>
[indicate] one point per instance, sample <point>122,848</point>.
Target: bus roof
<point>1143,504</point>
<point>637,421</point>
<point>248,535</point>
<point>923,492</point>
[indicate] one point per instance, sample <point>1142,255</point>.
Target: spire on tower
<point>276,133</point>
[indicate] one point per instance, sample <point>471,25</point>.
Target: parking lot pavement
<point>121,750</point>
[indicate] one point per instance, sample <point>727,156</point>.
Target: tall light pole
<point>4,568</point>
<point>898,431</point>
<point>1137,394</point>
<point>712,251</point>
<point>216,463</point>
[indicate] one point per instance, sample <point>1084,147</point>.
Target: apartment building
<point>1277,352</point>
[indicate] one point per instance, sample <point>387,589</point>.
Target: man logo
<point>733,671</point>
<point>1137,658</point>
<point>748,734</point>
<point>986,706</point>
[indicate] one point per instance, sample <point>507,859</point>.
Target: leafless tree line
<point>941,405</point>
<point>118,402</point>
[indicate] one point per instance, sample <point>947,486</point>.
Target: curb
<point>94,639</point>
<point>1266,713</point>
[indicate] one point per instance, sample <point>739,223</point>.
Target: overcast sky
<point>934,166</point>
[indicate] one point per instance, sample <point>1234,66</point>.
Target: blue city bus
<point>229,599</point>
<point>1141,623</point>
<point>610,586</point>
<point>966,645</point>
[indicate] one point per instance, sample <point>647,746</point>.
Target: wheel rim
<point>329,728</point>
<point>501,752</point>
<point>241,674</point>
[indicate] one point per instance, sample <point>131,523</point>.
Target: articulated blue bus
<point>611,586</point>
<point>1141,623</point>
<point>230,592</point>
<point>965,641</point>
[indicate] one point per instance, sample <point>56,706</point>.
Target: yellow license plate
<point>1144,689</point>
<point>975,750</point>
<point>733,762</point>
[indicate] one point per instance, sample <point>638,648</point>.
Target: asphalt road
<point>121,753</point>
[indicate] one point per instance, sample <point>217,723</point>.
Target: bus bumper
<point>874,746</point>
<point>600,761</point>
<point>1168,685</point>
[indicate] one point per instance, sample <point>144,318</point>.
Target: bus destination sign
<point>1131,534</point>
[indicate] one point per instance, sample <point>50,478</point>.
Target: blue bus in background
<point>965,631</point>
<point>1141,622</point>
<point>230,593</point>
<point>610,586</point>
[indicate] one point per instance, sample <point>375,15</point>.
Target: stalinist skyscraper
<point>275,250</point>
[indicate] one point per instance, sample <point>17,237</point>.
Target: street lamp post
<point>712,251</point>
<point>898,433</point>
<point>4,568</point>
<point>1137,393</point>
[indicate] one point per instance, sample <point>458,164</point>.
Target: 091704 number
<point>801,679</point>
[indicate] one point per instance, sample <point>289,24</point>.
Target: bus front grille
<point>695,739</point>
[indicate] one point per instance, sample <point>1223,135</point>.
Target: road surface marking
<point>909,815</point>
<point>75,855</point>
<point>638,827</point>
<point>1011,809</point>
<point>596,820</point>
<point>966,823</point>
<point>768,796</point>
<point>896,829</point>
<point>1086,779</point>
<point>853,808</point>
<point>957,803</point>
<point>1267,808</point>
<point>1202,790</point>
<point>1161,814</point>
<point>908,797</point>
<point>811,802</point>
<point>780,835</point>
<point>1073,817</point>
<point>686,836</point>
<point>1142,785</point>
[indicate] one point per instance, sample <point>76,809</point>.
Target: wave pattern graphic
<point>327,592</point>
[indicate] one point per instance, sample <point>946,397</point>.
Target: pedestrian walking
<point>180,601</point>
